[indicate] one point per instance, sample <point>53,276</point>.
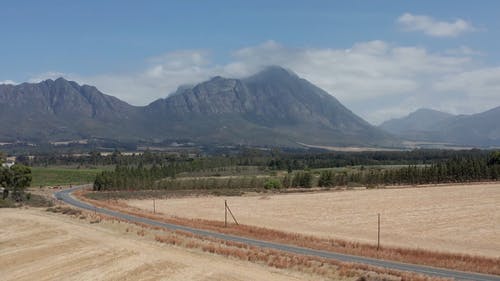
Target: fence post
<point>378,233</point>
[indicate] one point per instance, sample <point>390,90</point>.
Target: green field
<point>51,176</point>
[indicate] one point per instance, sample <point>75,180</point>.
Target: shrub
<point>272,184</point>
<point>302,179</point>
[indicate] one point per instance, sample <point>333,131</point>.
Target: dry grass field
<point>460,218</point>
<point>37,245</point>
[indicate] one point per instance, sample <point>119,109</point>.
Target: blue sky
<point>382,59</point>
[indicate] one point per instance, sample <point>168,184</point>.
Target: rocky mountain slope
<point>272,107</point>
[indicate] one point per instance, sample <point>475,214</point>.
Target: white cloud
<point>480,83</point>
<point>376,79</point>
<point>8,82</point>
<point>463,50</point>
<point>432,27</point>
<point>49,75</point>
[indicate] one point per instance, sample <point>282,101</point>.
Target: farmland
<point>450,218</point>
<point>45,246</point>
<point>50,176</point>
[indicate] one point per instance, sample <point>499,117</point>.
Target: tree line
<point>301,161</point>
<point>273,159</point>
<point>461,168</point>
<point>451,171</point>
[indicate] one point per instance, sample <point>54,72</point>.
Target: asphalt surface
<point>65,195</point>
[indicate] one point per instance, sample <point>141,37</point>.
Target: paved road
<point>65,195</point>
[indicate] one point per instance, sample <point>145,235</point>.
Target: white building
<point>9,163</point>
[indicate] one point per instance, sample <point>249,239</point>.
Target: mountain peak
<point>273,72</point>
<point>423,119</point>
<point>52,80</point>
<point>61,79</point>
<point>424,111</point>
<point>278,69</point>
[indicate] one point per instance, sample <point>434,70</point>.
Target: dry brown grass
<point>462,262</point>
<point>64,210</point>
<point>39,245</point>
<point>282,260</point>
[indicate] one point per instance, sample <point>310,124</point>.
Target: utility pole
<point>378,233</point>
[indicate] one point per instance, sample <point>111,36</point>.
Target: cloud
<point>161,77</point>
<point>463,50</point>
<point>480,83</point>
<point>375,79</point>
<point>432,27</point>
<point>49,75</point>
<point>8,82</point>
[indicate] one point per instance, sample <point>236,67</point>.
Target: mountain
<point>481,129</point>
<point>61,109</point>
<point>272,107</point>
<point>419,121</point>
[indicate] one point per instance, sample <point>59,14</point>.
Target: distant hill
<point>419,121</point>
<point>482,129</point>
<point>272,107</point>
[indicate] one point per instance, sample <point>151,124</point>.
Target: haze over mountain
<point>481,129</point>
<point>272,107</point>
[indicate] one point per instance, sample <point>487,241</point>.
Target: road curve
<point>66,196</point>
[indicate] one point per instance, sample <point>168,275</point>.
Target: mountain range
<point>273,107</point>
<point>481,129</point>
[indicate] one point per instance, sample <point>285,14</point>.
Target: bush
<point>302,179</point>
<point>272,184</point>
<point>326,179</point>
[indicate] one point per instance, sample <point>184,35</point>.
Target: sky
<point>381,59</point>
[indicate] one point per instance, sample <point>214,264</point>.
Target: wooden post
<point>154,206</point>
<point>378,233</point>
<point>225,213</point>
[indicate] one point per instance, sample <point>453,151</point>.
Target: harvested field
<point>38,245</point>
<point>454,218</point>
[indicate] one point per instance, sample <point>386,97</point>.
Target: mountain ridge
<point>480,129</point>
<point>272,107</point>
<point>423,119</point>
